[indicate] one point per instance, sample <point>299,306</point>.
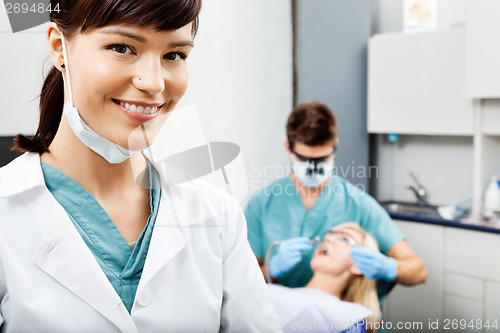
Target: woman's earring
<point>62,66</point>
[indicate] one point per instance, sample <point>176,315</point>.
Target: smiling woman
<point>83,248</point>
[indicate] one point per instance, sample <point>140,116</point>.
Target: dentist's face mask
<point>112,152</point>
<point>312,172</point>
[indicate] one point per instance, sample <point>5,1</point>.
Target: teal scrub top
<point>278,213</point>
<point>122,265</point>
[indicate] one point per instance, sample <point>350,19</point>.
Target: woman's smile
<point>139,111</point>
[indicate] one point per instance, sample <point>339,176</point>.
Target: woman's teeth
<point>140,108</point>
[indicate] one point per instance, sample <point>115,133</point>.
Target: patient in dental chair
<point>338,298</point>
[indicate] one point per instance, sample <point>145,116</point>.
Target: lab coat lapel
<point>65,257</point>
<point>182,206</point>
<point>167,239</point>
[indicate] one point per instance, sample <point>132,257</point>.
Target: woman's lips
<point>323,250</point>
<point>138,112</point>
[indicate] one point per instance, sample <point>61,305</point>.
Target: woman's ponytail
<point>51,107</point>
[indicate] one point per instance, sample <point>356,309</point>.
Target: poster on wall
<point>420,15</point>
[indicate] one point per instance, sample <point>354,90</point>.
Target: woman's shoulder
<point>20,175</point>
<point>25,204</point>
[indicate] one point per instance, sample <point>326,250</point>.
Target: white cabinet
<point>473,253</point>
<point>493,304</point>
<point>491,117</point>
<point>392,83</point>
<point>424,301</point>
<point>463,282</point>
<point>442,106</point>
<point>473,275</point>
<point>482,49</point>
<point>416,84</point>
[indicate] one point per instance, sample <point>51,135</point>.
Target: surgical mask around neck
<point>110,151</point>
<point>312,174</point>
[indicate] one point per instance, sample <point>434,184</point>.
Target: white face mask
<point>311,176</point>
<point>112,152</point>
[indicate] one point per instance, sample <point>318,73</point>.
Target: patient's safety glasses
<point>342,239</point>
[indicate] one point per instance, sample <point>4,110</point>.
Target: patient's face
<point>332,254</point>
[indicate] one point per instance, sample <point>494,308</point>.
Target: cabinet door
<point>491,117</point>
<point>463,302</point>
<point>442,105</point>
<point>392,83</point>
<point>472,253</point>
<point>482,49</point>
<point>492,306</point>
<point>423,302</point>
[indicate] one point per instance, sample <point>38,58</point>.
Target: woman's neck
<point>69,155</point>
<point>334,285</point>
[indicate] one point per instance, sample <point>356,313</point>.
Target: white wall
<point>22,56</point>
<point>241,78</point>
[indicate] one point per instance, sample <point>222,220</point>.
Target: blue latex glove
<point>288,255</point>
<point>373,264</point>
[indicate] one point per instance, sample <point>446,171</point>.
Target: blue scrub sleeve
<point>376,221</point>
<point>253,216</point>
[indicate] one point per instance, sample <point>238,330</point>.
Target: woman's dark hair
<point>78,16</point>
<point>312,124</point>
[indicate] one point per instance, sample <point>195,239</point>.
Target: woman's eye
<point>175,56</point>
<point>344,240</point>
<point>121,48</point>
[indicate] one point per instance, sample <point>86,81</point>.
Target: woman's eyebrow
<point>141,39</point>
<point>180,44</point>
<point>124,33</point>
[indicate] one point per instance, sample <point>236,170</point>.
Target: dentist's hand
<point>289,254</point>
<point>373,264</point>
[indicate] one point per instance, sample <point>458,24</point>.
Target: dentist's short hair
<point>313,124</point>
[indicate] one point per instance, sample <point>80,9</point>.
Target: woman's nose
<point>150,77</point>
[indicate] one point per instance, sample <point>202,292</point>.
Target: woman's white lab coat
<point>200,274</point>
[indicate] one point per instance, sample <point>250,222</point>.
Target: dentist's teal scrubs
<point>121,262</point>
<point>278,213</point>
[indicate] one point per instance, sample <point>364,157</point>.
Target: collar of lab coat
<point>64,256</point>
<point>22,174</point>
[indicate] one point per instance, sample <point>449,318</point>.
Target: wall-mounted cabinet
<point>491,116</point>
<point>482,54</point>
<point>392,83</point>
<point>416,84</point>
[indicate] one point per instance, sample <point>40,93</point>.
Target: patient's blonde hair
<point>360,289</point>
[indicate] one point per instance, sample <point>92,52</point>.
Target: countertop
<point>434,218</point>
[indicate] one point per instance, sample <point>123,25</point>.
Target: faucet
<point>419,191</point>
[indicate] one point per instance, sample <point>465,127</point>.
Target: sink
<point>408,207</point>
